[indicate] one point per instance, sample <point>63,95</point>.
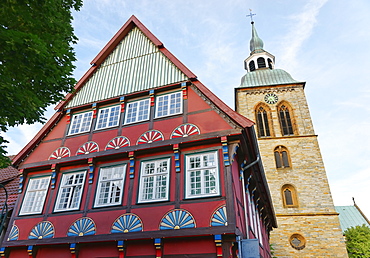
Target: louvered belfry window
<point>263,123</point>
<point>285,121</point>
<point>261,62</point>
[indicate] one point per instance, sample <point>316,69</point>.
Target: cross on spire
<point>251,15</point>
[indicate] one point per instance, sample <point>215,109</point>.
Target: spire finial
<point>251,15</point>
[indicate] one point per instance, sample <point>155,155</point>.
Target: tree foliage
<point>358,241</point>
<point>36,59</point>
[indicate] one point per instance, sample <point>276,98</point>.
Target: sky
<point>323,42</point>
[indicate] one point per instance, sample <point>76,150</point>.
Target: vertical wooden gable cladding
<point>136,64</point>
<point>197,151</point>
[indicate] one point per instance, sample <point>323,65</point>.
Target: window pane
<point>137,111</point>
<point>277,159</point>
<point>81,123</point>
<point>154,180</point>
<point>35,195</point>
<point>285,159</point>
<point>288,197</point>
<point>169,104</point>
<point>70,191</point>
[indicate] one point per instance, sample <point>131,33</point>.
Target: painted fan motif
<point>88,147</point>
<point>82,227</point>
<point>185,130</point>
<point>127,223</point>
<point>150,136</point>
<point>14,233</point>
<point>177,219</point>
<point>44,229</point>
<point>219,217</point>
<point>61,152</point>
<point>117,142</point>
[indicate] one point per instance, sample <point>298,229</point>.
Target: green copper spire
<point>256,44</point>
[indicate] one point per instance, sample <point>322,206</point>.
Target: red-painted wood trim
<point>239,119</point>
<point>49,124</point>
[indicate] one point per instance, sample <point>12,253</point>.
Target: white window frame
<point>34,199</point>
<point>203,170</point>
<point>156,182</point>
<point>112,180</point>
<point>167,104</point>
<point>80,123</point>
<point>74,194</point>
<point>108,117</point>
<point>133,110</point>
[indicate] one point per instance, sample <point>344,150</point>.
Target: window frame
<point>168,110</point>
<point>279,153</point>
<point>90,113</point>
<point>138,101</point>
<point>43,196</point>
<point>286,122</point>
<point>109,116</point>
<point>62,185</point>
<point>215,167</point>
<point>155,176</point>
<point>99,188</point>
<point>266,121</point>
<point>294,196</point>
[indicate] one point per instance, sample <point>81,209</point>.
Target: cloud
<point>302,29</point>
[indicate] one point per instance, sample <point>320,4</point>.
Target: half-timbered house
<point>141,160</point>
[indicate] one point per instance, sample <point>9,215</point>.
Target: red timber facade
<point>142,160</point>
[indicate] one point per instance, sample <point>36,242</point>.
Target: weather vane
<point>251,15</point>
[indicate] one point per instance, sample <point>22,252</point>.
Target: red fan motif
<point>88,147</point>
<point>150,136</point>
<point>61,152</point>
<point>117,142</point>
<point>185,130</point>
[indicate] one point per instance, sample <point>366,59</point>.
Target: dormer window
<point>261,62</point>
<point>269,62</point>
<point>81,123</point>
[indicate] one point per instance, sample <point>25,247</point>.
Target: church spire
<point>256,43</point>
<point>258,58</point>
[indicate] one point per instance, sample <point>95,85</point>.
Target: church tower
<point>308,225</point>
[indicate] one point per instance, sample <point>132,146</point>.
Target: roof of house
<point>117,71</point>
<point>351,216</point>
<point>9,178</point>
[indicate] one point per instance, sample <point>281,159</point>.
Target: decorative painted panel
<point>128,222</point>
<point>177,219</point>
<point>150,136</point>
<point>81,227</point>
<point>14,233</point>
<point>117,142</point>
<point>219,217</point>
<point>61,152</point>
<point>88,147</point>
<point>43,229</point>
<point>185,130</point>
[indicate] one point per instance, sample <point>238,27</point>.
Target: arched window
<point>261,62</point>
<point>269,62</point>
<point>289,195</point>
<point>285,120</point>
<point>263,122</point>
<point>252,66</point>
<point>281,157</point>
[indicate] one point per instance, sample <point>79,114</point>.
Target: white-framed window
<point>202,175</point>
<point>70,191</point>
<point>108,117</point>
<point>35,196</point>
<point>110,185</point>
<point>137,111</point>
<point>169,104</point>
<point>81,123</point>
<point>154,180</point>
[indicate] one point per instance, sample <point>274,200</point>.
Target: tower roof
<point>267,77</point>
<point>256,43</point>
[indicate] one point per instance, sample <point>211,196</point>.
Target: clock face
<point>271,98</point>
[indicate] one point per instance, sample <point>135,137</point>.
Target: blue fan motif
<point>14,233</point>
<point>44,229</point>
<point>82,227</point>
<point>219,217</point>
<point>177,219</point>
<point>128,222</point>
